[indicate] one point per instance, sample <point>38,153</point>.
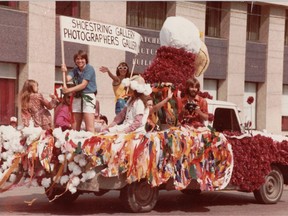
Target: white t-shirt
<point>136,108</point>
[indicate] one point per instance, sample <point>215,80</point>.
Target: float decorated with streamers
<point>47,158</point>
<point>70,162</point>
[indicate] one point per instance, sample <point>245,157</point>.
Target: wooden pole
<point>62,54</point>
<point>63,62</point>
<point>132,71</point>
<point>133,66</point>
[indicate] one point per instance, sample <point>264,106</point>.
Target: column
<point>113,13</point>
<point>41,47</point>
<point>234,29</point>
<point>270,92</point>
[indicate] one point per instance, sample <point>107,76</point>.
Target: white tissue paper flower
<point>126,82</point>
<point>91,174</point>
<point>72,188</point>
<point>76,170</point>
<point>69,156</point>
<point>88,175</point>
<point>147,89</point>
<point>64,179</point>
<point>71,166</point>
<point>61,158</point>
<point>77,158</point>
<point>46,182</point>
<point>134,84</point>
<point>82,162</point>
<point>75,181</point>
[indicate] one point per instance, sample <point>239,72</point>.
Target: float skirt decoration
<point>69,158</point>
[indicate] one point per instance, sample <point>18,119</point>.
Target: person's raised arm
<point>116,79</point>
<point>158,106</point>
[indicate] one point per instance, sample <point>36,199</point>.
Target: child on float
<point>63,115</point>
<point>135,114</point>
<point>35,107</point>
<point>152,121</point>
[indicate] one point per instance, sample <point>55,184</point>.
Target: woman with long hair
<point>135,114</point>
<point>122,72</point>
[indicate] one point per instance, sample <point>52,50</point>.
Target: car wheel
<point>139,196</point>
<point>67,197</point>
<point>271,191</point>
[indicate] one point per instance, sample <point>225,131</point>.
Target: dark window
<point>149,15</point>
<point>284,123</point>
<point>225,120</point>
<point>7,100</point>
<point>286,28</point>
<point>213,19</point>
<point>253,22</point>
<point>68,8</point>
<point>10,4</point>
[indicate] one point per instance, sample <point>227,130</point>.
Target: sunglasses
<point>122,67</point>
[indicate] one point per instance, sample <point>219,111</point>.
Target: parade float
<point>185,158</point>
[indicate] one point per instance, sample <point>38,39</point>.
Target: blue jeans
<point>120,104</point>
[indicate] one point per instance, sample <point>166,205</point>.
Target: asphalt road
<point>169,203</point>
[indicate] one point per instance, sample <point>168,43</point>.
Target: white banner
<point>99,34</point>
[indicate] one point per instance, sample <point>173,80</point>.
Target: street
<point>14,202</point>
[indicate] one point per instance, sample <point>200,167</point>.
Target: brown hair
<point>66,96</point>
<point>123,64</point>
<point>82,54</point>
<point>26,91</point>
<point>141,96</point>
<point>192,82</point>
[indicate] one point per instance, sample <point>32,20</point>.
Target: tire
<point>139,196</point>
<point>271,191</point>
<point>191,192</point>
<point>66,198</point>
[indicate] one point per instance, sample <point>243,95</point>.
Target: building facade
<point>247,43</point>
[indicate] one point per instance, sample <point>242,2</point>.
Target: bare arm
<point>202,113</point>
<point>116,80</point>
<point>158,106</point>
<point>76,88</point>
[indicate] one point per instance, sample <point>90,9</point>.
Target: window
<point>286,28</point>
<point>211,86</point>
<point>149,15</point>
<point>253,22</point>
<point>68,8</point>
<point>10,4</point>
<point>225,120</point>
<point>7,100</point>
<point>250,109</point>
<point>285,108</point>
<point>8,85</point>
<point>213,19</point>
<point>284,123</point>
